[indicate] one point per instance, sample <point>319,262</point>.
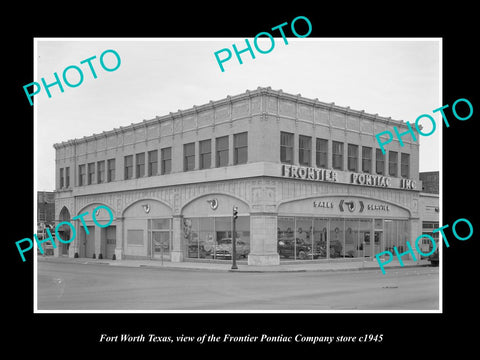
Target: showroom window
<point>211,237</point>
<point>311,238</point>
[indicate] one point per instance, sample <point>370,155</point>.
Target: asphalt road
<point>103,287</point>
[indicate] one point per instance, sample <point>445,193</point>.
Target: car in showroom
<point>288,249</point>
<point>224,248</point>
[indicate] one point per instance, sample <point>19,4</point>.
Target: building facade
<point>307,177</point>
<point>45,207</point>
<point>430,182</point>
<point>45,217</point>
<point>429,208</point>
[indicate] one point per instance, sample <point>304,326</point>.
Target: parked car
<point>434,258</point>
<point>223,249</point>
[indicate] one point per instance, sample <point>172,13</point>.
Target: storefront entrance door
<point>160,244</point>
<point>87,245</point>
<point>365,244</point>
<point>110,240</point>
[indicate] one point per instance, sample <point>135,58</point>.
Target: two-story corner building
<point>308,178</point>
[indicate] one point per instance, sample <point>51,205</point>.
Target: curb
<point>371,268</point>
<point>174,268</point>
<point>187,268</point>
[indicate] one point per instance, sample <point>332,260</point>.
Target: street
<point>71,286</point>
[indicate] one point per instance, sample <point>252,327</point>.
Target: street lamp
<point>234,241</point>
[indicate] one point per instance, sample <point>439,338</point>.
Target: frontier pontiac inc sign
<point>330,175</point>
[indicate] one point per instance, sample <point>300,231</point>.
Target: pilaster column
<point>415,231</point>
<point>178,242</point>
<point>74,249</point>
<point>231,149</point>
<point>263,239</point>
<point>295,148</point>
<point>119,240</point>
<point>98,242</point>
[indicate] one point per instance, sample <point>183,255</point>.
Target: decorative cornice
<point>248,94</point>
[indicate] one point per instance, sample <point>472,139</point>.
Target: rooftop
<point>229,99</point>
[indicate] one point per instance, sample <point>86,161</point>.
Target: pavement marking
<point>60,285</point>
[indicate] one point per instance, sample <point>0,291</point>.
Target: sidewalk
<point>319,265</point>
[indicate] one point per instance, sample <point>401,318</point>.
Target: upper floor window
<point>61,178</point>
<point>140,165</point>
<point>337,155</point>
<point>221,145</point>
<point>205,148</point>
<point>405,165</point>
<point>366,159</point>
<point>286,147</point>
<point>379,162</point>
<point>322,153</point>
<point>393,163</point>
<point>100,172</point>
<point>352,162</point>
<point>305,150</point>
<point>128,167</point>
<point>152,162</point>
<point>240,143</point>
<point>189,156</point>
<point>91,173</point>
<point>81,175</point>
<point>67,177</point>
<point>166,160</point>
<point>111,170</point>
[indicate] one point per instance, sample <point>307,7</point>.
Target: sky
<point>398,78</point>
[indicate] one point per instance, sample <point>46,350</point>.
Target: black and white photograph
<point>293,193</point>
<point>272,183</point>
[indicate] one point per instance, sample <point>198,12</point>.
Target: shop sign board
<point>343,206</point>
<point>345,177</point>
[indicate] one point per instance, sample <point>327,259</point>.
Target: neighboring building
<point>45,208</point>
<point>45,216</point>
<point>308,178</point>
<point>429,208</point>
<point>430,182</point>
